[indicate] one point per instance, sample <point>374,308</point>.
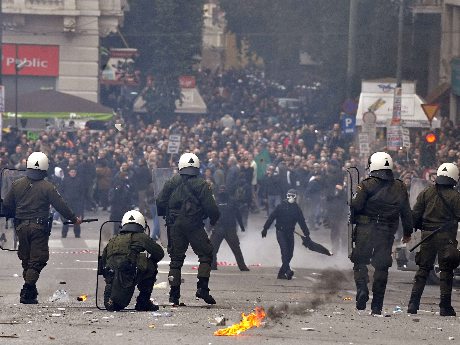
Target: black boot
<point>414,302</point>
<point>28,294</point>
<point>445,306</point>
<point>174,295</point>
<point>362,295</point>
<point>202,291</point>
<point>377,304</point>
<point>144,303</point>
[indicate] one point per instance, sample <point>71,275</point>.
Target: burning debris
<point>248,321</point>
<point>82,298</point>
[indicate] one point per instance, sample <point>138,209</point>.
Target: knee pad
<point>449,259</point>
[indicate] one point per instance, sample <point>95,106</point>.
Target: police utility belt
<point>378,219</point>
<point>40,221</point>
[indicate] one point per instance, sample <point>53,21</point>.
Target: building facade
<point>57,44</point>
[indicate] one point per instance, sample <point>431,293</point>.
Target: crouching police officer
<point>29,201</point>
<point>185,201</point>
<point>437,207</point>
<point>125,266</point>
<point>287,215</point>
<point>378,203</point>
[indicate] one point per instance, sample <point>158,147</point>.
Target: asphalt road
<point>317,307</point>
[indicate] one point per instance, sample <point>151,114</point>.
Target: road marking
<point>55,244</point>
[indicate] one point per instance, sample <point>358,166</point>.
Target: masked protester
<point>186,201</point>
<point>379,202</point>
<point>287,215</point>
<point>437,208</point>
<point>225,229</point>
<point>29,202</point>
<point>125,266</point>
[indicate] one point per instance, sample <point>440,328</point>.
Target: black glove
<point>264,233</point>
<point>243,229</point>
<point>306,240</point>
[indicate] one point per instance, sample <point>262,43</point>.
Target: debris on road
<point>88,312</point>
<point>152,326</point>
<point>15,275</point>
<point>62,283</point>
<point>82,298</point>
<point>162,285</point>
<point>56,315</point>
<point>160,314</point>
<point>308,329</point>
<point>451,338</point>
<point>347,299</point>
<point>61,309</point>
<point>59,296</point>
<point>170,325</point>
<point>9,336</point>
<point>119,334</point>
<point>397,310</point>
<point>218,321</point>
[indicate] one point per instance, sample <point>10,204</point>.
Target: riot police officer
<point>185,201</point>
<point>437,208</point>
<point>29,202</point>
<point>125,266</point>
<point>379,202</point>
<point>287,215</point>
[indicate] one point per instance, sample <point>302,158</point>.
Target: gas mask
<point>291,198</point>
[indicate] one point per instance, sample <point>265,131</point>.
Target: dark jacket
<point>29,199</point>
<point>383,201</point>
<point>188,199</point>
<point>287,215</point>
<point>71,188</point>
<point>121,198</point>
<point>229,215</point>
<point>430,213</point>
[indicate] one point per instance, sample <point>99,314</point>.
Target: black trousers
<point>229,235</point>
<point>286,243</point>
<point>180,236</point>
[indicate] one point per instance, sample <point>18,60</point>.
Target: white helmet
<point>447,174</point>
<point>380,161</point>
<point>189,164</point>
<point>133,221</point>
<point>38,161</point>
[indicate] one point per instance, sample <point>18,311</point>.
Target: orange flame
<point>82,298</point>
<point>247,322</point>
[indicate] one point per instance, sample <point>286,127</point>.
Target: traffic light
<point>428,153</point>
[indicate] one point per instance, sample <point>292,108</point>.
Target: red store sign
<point>40,60</point>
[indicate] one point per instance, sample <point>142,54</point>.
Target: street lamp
<point>18,65</point>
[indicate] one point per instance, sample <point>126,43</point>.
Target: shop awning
<point>40,108</point>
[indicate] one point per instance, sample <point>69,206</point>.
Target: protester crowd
<point>248,142</point>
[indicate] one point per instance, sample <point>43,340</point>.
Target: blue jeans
<point>155,232</point>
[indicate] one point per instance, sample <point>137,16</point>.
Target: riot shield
<point>352,180</point>
<point>160,176</point>
<point>106,232</point>
<point>8,238</point>
<point>417,185</point>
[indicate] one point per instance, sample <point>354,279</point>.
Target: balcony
<point>427,7</point>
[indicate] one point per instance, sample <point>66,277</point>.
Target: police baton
<point>426,238</point>
<point>89,220</point>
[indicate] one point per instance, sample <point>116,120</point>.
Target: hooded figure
<point>287,215</point>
